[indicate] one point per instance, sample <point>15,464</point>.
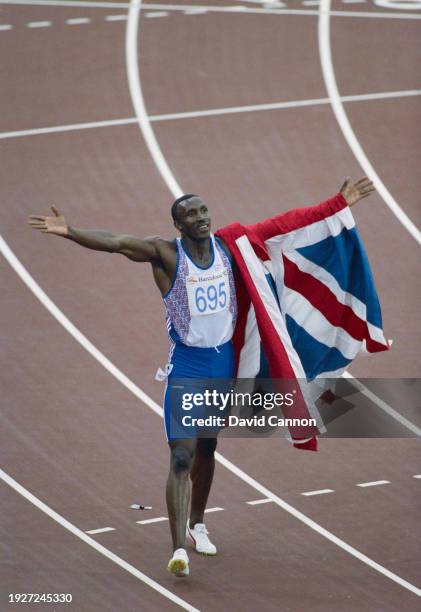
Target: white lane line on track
<point>316,527</point>
<point>101,530</point>
<point>257,502</point>
<point>132,32</point>
<point>343,122</point>
<point>319,492</point>
<point>375,483</point>
<point>39,24</point>
<point>78,20</point>
<point>67,3</point>
<point>93,543</point>
<point>282,105</point>
<point>115,17</point>
<point>68,128</point>
<point>73,330</point>
<point>157,14</point>
<point>382,404</point>
<point>158,519</point>
<point>5,26</point>
<point>148,401</point>
<point>417,476</point>
<point>216,9</point>
<point>195,11</point>
<point>209,113</point>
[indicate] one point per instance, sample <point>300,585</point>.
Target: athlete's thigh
<point>206,446</point>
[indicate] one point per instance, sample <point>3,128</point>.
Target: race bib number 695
<point>208,295</point>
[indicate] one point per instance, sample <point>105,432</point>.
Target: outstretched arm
<point>349,194</point>
<point>134,248</point>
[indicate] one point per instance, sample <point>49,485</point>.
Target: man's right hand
<point>50,225</point>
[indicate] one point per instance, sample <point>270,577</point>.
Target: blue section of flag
<point>344,257</point>
<point>315,356</point>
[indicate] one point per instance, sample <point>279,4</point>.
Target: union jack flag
<point>307,302</point>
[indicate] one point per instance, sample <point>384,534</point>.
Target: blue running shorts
<point>192,367</point>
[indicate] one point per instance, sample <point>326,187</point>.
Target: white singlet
<point>201,303</point>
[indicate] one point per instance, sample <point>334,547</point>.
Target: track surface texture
<point>84,444</point>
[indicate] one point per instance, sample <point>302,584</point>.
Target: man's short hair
<point>178,201</point>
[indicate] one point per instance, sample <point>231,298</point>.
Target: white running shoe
<point>179,563</point>
<point>199,536</point>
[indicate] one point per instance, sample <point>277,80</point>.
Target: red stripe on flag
<point>322,298</point>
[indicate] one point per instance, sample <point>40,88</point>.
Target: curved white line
<point>93,543</point>
<point>383,405</point>
<point>218,9</point>
<point>23,273</point>
<point>344,124</point>
<point>135,88</point>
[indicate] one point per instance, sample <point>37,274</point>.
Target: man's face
<point>193,219</point>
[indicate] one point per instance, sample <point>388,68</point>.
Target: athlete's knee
<point>181,459</point>
<point>206,447</point>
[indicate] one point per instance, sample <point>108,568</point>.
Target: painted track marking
<point>255,502</point>
<point>160,519</point>
<point>375,483</point>
<point>115,17</point>
<point>195,11</point>
<point>345,125</point>
<point>216,9</point>
<point>93,543</point>
<point>39,24</point>
<point>382,404</point>
<point>132,30</point>
<point>101,530</point>
<point>78,20</point>
<point>208,113</point>
<point>319,492</point>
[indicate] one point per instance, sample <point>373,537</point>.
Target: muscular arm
<point>162,254</point>
<point>134,248</point>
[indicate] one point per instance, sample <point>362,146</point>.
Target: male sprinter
<point>194,275</point>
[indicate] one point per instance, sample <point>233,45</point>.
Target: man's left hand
<point>354,192</point>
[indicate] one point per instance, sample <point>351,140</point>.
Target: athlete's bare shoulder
<point>166,251</point>
<point>163,245</point>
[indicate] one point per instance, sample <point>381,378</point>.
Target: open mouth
<point>203,226</point>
